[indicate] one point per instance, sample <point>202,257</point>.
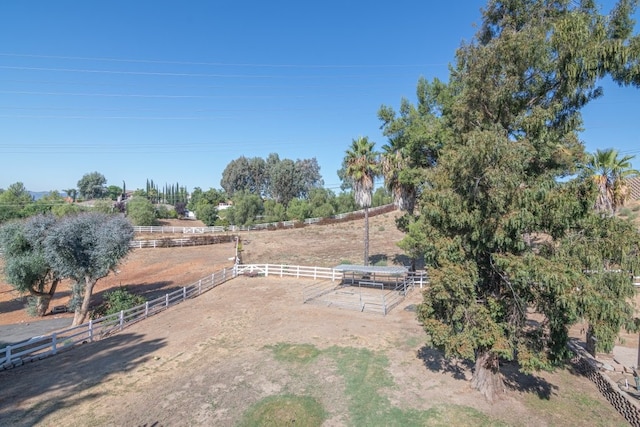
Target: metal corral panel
<point>372,269</point>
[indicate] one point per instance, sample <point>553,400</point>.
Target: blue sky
<point>173,91</point>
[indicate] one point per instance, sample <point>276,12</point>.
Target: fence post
<point>384,306</point>
<point>146,309</point>
<point>266,270</point>
<point>224,274</point>
<point>184,293</point>
<point>54,343</point>
<point>199,286</point>
<point>281,270</point>
<point>297,272</point>
<point>90,330</point>
<point>121,319</point>
<point>166,300</point>
<point>7,353</point>
<point>315,272</point>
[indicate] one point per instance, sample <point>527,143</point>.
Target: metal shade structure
<point>372,269</point>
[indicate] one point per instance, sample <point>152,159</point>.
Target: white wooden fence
<point>47,345</point>
<point>177,230</point>
<point>264,226</point>
<point>297,271</point>
<point>266,270</point>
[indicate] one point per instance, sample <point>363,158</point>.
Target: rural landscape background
<point>209,360</point>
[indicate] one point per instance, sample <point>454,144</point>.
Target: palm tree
<point>395,165</point>
<point>362,167</point>
<point>609,173</point>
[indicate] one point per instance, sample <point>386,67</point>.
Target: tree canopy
<point>609,172</point>
<point>279,179</point>
<point>26,266</point>
<point>503,230</point>
<point>92,185</point>
<point>362,167</point>
<point>42,250</point>
<point>85,248</point>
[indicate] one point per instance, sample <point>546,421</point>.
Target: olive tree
<point>26,267</point>
<point>85,248</point>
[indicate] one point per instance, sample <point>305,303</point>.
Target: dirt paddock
<point>205,361</point>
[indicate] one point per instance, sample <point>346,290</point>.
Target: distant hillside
<point>40,194</point>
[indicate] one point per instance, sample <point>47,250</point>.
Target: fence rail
<point>178,230</point>
<point>185,241</point>
<point>41,347</point>
<point>289,270</point>
<point>263,226</point>
<point>47,345</point>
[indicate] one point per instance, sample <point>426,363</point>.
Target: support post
<point>54,343</point>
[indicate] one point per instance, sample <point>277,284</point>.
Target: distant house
<point>224,205</point>
<point>634,187</point>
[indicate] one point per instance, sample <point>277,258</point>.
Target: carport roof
<point>392,270</point>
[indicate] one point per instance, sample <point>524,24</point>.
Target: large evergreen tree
<point>504,236</point>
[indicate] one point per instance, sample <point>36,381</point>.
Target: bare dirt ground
<point>205,361</point>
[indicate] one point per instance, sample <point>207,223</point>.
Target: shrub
<point>117,300</point>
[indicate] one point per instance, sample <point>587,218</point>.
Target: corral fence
<point>263,226</point>
<point>329,289</point>
<point>47,345</point>
<point>188,241</point>
<point>177,230</point>
<point>43,346</point>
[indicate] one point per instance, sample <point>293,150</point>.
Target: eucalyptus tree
<point>362,167</point>
<point>609,173</point>
<point>504,235</point>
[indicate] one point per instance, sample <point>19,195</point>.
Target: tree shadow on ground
<point>40,388</point>
<point>378,259</point>
<point>148,290</point>
<point>435,361</point>
<point>16,304</point>
<point>516,380</point>
<point>408,262</point>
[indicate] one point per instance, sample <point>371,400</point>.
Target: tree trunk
<point>81,312</point>
<point>42,304</point>
<point>366,235</point>
<point>44,298</point>
<point>486,376</point>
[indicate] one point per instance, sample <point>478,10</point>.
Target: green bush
<point>141,212</point>
<point>117,300</point>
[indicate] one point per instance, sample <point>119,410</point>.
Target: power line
<point>176,74</point>
<point>219,64</point>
